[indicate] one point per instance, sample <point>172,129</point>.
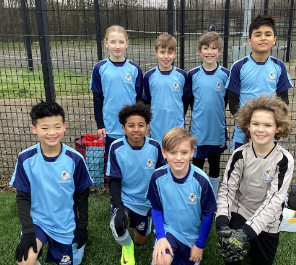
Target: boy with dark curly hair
<point>132,159</point>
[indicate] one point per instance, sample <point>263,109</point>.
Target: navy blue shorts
<point>181,251</point>
<point>66,254</point>
<point>204,151</point>
<point>140,222</point>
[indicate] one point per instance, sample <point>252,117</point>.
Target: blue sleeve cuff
<point>205,229</point>
<point>157,217</point>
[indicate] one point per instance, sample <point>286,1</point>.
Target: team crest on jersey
<point>267,176</point>
<point>218,86</point>
<point>149,164</point>
<point>141,226</point>
<point>176,87</point>
<point>65,177</point>
<point>128,78</point>
<point>65,260</point>
<point>272,77</point>
<point>192,198</point>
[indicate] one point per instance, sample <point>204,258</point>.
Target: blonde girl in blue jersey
<point>115,82</point>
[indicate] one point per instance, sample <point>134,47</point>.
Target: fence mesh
<point>73,51</point>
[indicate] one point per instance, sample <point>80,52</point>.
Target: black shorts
<point>263,247</point>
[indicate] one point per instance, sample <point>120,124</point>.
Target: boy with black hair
<point>132,159</point>
<point>52,183</point>
<point>165,89</point>
<point>258,73</point>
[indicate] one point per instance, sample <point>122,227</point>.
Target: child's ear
<point>155,53</point>
<point>123,128</point>
<point>33,129</point>
<point>163,153</point>
<point>105,43</point>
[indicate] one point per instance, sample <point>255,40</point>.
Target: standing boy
<point>258,174</point>
<point>132,159</point>
<point>52,183</point>
<point>183,203</point>
<point>207,85</point>
<point>258,73</point>
<point>165,88</point>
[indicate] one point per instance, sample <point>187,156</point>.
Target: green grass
<point>20,83</point>
<point>101,247</point>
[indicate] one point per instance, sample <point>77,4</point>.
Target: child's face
<point>165,58</point>
<point>209,54</point>
<point>135,129</point>
<point>262,128</point>
<point>262,40</point>
<point>116,43</point>
<point>50,131</point>
<point>178,158</point>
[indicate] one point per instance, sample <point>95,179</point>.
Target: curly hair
<point>175,136</point>
<point>268,103</point>
<point>137,109</point>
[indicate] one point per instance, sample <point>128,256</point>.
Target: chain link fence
<point>48,49</point>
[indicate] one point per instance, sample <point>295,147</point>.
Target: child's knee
<point>31,260</point>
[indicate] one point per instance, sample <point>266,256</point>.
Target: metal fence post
<point>171,17</point>
<point>46,63</point>
<point>290,31</point>
<point>266,4</point>
<point>226,33</point>
<point>98,30</point>
<point>27,34</point>
<point>182,34</point>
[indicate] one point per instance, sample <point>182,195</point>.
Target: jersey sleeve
<point>229,186</point>
<point>160,160</point>
<point>284,82</point>
<point>81,175</point>
<point>234,81</point>
<point>19,178</point>
<point>95,81</point>
<point>275,195</point>
<point>146,89</point>
<point>113,169</point>
<point>186,90</point>
<point>139,85</point>
<point>153,195</point>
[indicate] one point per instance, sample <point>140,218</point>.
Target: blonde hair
<point>208,38</point>
<point>175,136</point>
<point>166,41</point>
<point>268,103</point>
<point>115,28</point>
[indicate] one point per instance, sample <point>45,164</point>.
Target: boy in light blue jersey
<point>115,82</point>
<point>132,159</point>
<point>209,99</point>
<point>165,88</point>
<point>258,73</point>
<point>52,183</point>
<point>183,203</point>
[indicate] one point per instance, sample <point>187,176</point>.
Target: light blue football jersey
<point>251,79</point>
<point>165,91</point>
<point>120,86</point>
<point>182,201</point>
<point>134,165</point>
<point>208,113</point>
<point>52,186</point>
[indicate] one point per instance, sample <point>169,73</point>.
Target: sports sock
<point>125,240</point>
<point>215,184</point>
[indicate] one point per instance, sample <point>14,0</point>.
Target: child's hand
<point>159,253</point>
<point>195,254</point>
<point>102,132</point>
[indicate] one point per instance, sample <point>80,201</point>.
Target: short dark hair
<point>46,109</point>
<point>261,21</point>
<point>137,109</point>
